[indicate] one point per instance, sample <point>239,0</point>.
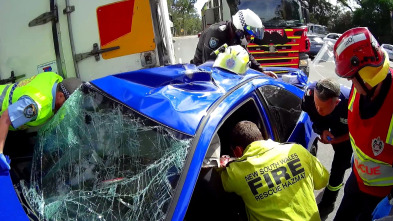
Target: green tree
<point>186,20</point>
<point>375,14</point>
<point>320,11</point>
<point>341,20</point>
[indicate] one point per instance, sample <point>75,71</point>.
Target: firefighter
<point>276,181</point>
<point>361,59</point>
<point>244,25</point>
<point>31,103</point>
<point>326,102</point>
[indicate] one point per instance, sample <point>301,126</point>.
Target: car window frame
<point>274,125</point>
<point>251,99</point>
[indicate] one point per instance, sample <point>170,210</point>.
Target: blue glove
<point>4,163</point>
<point>383,209</point>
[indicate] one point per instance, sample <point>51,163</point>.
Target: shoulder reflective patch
<point>309,92</point>
<point>213,43</point>
<point>349,41</point>
<point>343,120</point>
<point>222,27</point>
<point>30,111</point>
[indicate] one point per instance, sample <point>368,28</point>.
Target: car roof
<point>177,96</point>
<point>334,34</point>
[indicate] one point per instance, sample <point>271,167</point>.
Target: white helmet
<point>249,22</point>
<point>234,58</point>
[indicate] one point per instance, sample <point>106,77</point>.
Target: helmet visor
<point>256,32</point>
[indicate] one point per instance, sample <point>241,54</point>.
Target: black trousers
<point>341,162</point>
<point>355,204</point>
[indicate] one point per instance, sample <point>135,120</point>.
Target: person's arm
<point>340,139</point>
<point>326,137</point>
<point>256,66</point>
<point>197,60</point>
<point>319,173</point>
<point>5,123</point>
<point>226,180</point>
<point>254,63</point>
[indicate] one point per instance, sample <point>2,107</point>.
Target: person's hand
<point>326,137</point>
<point>224,160</point>
<point>271,74</point>
<point>383,209</point>
<point>4,163</point>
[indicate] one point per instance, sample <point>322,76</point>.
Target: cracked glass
<point>99,160</point>
<point>284,108</point>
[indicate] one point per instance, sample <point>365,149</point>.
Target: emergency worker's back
<point>276,181</point>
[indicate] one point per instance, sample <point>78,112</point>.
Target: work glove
<point>383,208</point>
<point>4,163</point>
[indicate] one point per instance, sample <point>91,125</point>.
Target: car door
<point>208,195</point>
<point>273,108</point>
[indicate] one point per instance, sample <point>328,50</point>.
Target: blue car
<point>316,44</point>
<point>139,145</point>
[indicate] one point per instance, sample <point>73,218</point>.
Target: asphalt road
<point>184,52</point>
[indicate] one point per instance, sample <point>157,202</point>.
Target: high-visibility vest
<point>372,143</point>
<point>272,177</point>
<point>38,88</point>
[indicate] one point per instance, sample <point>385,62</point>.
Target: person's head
<point>234,58</point>
<point>243,134</point>
<point>248,24</point>
<point>326,96</point>
<point>64,90</point>
<point>360,58</point>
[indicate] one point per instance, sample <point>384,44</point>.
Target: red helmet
<point>357,51</point>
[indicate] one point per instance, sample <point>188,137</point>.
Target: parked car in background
<point>332,37</point>
<point>318,30</point>
<point>133,146</point>
<point>389,49</point>
<point>316,44</point>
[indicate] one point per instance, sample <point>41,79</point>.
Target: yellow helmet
<point>234,58</point>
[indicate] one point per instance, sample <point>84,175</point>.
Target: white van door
<point>110,37</point>
<point>26,47</point>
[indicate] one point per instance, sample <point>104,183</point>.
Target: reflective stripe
<point>350,105</point>
<point>389,137</point>
<point>335,188</point>
<point>2,96</point>
<point>11,93</point>
<point>372,172</point>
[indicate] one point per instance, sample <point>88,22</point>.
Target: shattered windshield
<point>98,160</point>
<point>274,14</point>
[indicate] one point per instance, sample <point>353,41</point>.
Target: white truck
<point>87,39</point>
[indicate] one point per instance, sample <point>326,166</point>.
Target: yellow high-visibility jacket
<point>38,88</point>
<point>276,181</point>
